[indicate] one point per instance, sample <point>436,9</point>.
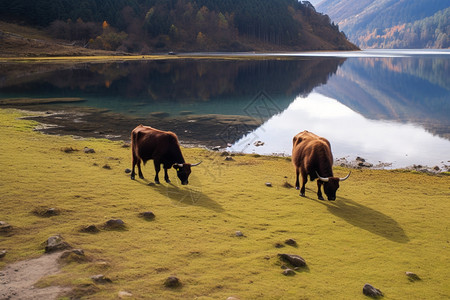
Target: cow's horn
<point>194,165</point>
<point>180,165</point>
<point>324,179</point>
<point>345,178</point>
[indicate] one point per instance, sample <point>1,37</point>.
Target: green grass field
<point>383,224</point>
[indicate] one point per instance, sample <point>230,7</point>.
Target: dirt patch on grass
<point>17,280</point>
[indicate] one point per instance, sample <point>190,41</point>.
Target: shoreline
<point>83,123</point>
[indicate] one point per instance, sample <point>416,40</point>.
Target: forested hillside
<point>392,23</point>
<point>143,26</point>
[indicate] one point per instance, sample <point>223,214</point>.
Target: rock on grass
<point>115,224</point>
<point>56,243</point>
<point>294,260</point>
<point>172,282</point>
<point>147,215</point>
<point>371,291</point>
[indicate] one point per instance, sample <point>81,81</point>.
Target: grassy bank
<point>383,224</point>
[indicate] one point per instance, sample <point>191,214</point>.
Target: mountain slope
<point>145,26</point>
<point>392,23</point>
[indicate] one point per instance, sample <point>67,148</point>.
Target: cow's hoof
<point>320,198</point>
<point>302,195</point>
<point>297,187</point>
<point>141,177</point>
<point>132,177</point>
<point>168,180</point>
<point>157,182</point>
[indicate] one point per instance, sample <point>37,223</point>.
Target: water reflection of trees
<point>178,80</point>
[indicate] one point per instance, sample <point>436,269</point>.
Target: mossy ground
<point>382,224</point>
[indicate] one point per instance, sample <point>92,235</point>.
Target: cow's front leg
<point>166,176</point>
<point>157,169</point>
<point>319,192</point>
<point>297,184</point>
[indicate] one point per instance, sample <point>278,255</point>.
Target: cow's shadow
<point>366,218</point>
<point>184,195</point>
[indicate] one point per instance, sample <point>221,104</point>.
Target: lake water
<point>390,106</point>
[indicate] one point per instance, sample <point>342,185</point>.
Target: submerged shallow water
<point>391,106</point>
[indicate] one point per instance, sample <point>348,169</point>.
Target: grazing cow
<point>311,155</point>
<point>161,146</point>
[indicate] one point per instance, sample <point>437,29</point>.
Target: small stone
<point>127,171</point>
<point>100,278</point>
<point>371,291</point>
<point>288,272</point>
<point>291,242</point>
<point>88,150</point>
<point>151,184</point>
<point>107,167</point>
<point>279,245</point>
<point>76,255</point>
<point>258,144</point>
<point>124,294</point>
<point>412,276</point>
<point>172,282</point>
<point>90,229</point>
<point>229,158</point>
<point>148,215</point>
<point>52,212</point>
<point>56,243</point>
<point>5,227</point>
<point>269,184</point>
<point>3,253</point>
<point>239,233</point>
<point>294,260</point>
<point>216,148</point>
<point>233,298</point>
<point>115,224</point>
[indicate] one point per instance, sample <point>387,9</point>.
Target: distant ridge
<point>392,23</point>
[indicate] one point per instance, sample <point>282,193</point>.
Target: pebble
<point>288,272</point>
<point>100,278</point>
<point>412,276</point>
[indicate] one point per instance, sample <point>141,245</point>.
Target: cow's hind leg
<point>304,180</point>
<point>319,191</point>
<point>166,176</point>
<point>141,176</point>
<point>297,184</point>
<point>136,161</point>
<point>157,169</point>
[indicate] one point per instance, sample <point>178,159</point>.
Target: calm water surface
<point>382,105</point>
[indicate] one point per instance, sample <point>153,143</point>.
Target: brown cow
<point>311,155</point>
<point>161,146</point>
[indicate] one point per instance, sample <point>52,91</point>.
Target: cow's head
<point>331,185</point>
<point>183,171</point>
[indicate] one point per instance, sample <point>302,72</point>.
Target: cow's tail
<point>134,140</point>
